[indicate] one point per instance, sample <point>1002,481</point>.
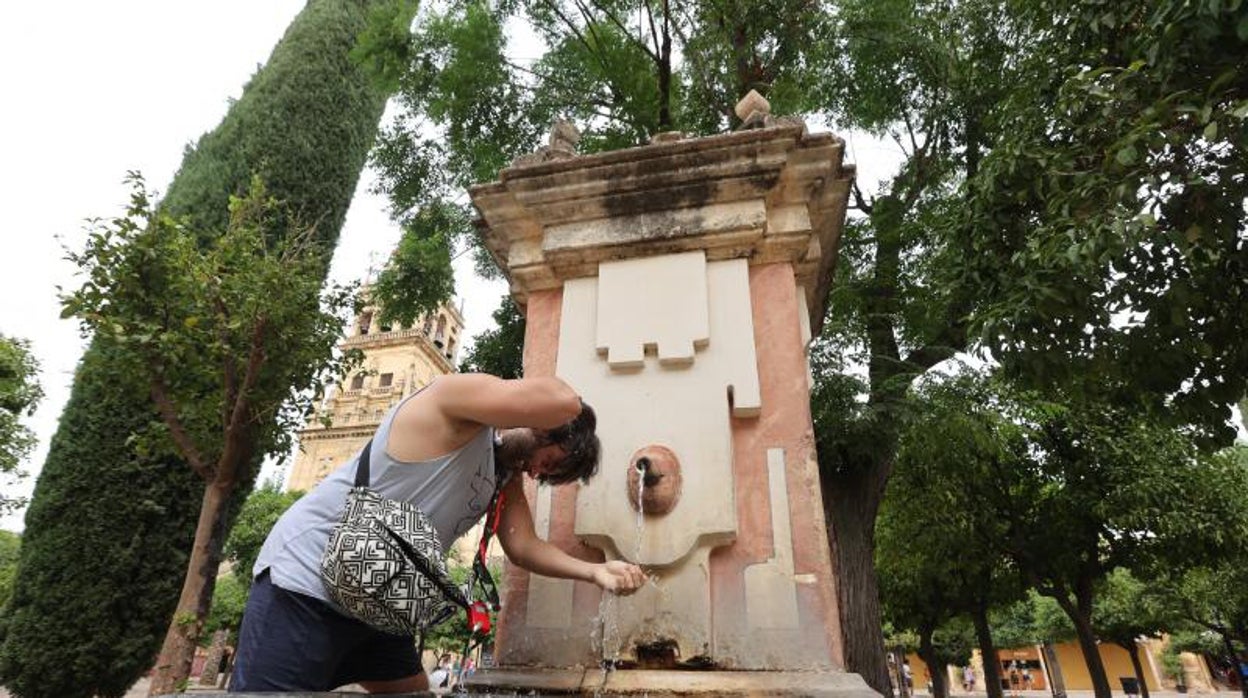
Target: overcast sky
<point>94,89</point>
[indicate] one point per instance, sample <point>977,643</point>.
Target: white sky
<point>95,89</point>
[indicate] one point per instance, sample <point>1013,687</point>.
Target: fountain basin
<point>543,681</point>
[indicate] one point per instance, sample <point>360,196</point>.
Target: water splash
<point>641,516</point>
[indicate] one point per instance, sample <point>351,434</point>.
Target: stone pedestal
<point>676,286</point>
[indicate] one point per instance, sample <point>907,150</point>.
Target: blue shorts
<point>294,642</point>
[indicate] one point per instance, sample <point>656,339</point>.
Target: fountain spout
<point>649,475</point>
<point>654,480</point>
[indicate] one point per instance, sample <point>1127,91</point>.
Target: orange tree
<point>233,339</point>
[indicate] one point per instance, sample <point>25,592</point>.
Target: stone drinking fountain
<point>676,287</point>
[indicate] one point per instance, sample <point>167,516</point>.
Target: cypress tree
<point>109,528</point>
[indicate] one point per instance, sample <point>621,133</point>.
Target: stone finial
<point>561,145</point>
<point>564,136</point>
<point>753,106</point>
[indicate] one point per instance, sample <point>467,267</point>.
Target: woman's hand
<point>618,577</point>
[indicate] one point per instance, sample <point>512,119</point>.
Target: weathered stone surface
<point>668,136</point>
<point>671,683</point>
<point>767,195</point>
<point>752,103</point>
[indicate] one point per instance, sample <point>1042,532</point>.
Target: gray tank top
<point>453,490</point>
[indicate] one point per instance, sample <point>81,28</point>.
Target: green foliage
<point>1172,664</point>
<point>104,550</point>
<point>19,396</point>
<point>1080,489</point>
<point>933,561</point>
<point>1194,641</point>
<point>900,639</point>
<point>418,276</point>
<point>304,123</point>
<point>1033,620</point>
<point>1107,226</point>
<point>229,598</point>
<point>1124,612</point>
<point>383,48</point>
<point>1210,598</point>
<point>471,101</point>
<point>953,643</point>
<point>10,547</point>
<point>924,74</point>
<point>1071,491</point>
<point>234,335</point>
<point>264,506</point>
<point>499,351</point>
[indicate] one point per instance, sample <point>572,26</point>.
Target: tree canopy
<point>234,338</point>
<point>1070,492</point>
<point>1107,233</point>
<point>19,396</point>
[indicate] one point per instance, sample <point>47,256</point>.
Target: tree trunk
<point>665,71</point>
<point>1091,652</point>
<point>988,652</point>
<point>940,684</point>
<point>899,661</point>
<point>851,501</point>
<point>1230,646</point>
<point>1133,649</point>
<point>173,666</point>
<point>1056,682</point>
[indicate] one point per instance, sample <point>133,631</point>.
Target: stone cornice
<point>410,337</point>
<point>775,194</point>
<point>365,430</point>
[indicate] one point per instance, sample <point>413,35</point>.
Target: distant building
<point>398,361</point>
<point>1029,662</point>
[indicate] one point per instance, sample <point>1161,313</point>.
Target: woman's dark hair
<point>580,443</point>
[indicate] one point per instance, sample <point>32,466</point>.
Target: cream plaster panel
<point>684,408</point>
<point>550,600</point>
<point>675,606</point>
<point>770,592</point>
<point>653,302</point>
<point>732,322</point>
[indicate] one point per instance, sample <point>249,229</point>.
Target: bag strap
<point>480,572</point>
<point>361,468</point>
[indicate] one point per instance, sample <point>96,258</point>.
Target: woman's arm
<point>524,548</point>
<point>543,403</point>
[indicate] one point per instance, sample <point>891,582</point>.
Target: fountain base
<point>824,684</point>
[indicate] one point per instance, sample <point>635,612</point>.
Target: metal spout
<point>648,479</point>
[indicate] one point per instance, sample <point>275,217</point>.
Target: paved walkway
<point>139,690</point>
<point>1087,694</point>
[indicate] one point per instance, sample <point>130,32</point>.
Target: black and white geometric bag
<point>384,566</point>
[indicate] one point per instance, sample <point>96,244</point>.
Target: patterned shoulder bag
<point>384,562</point>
